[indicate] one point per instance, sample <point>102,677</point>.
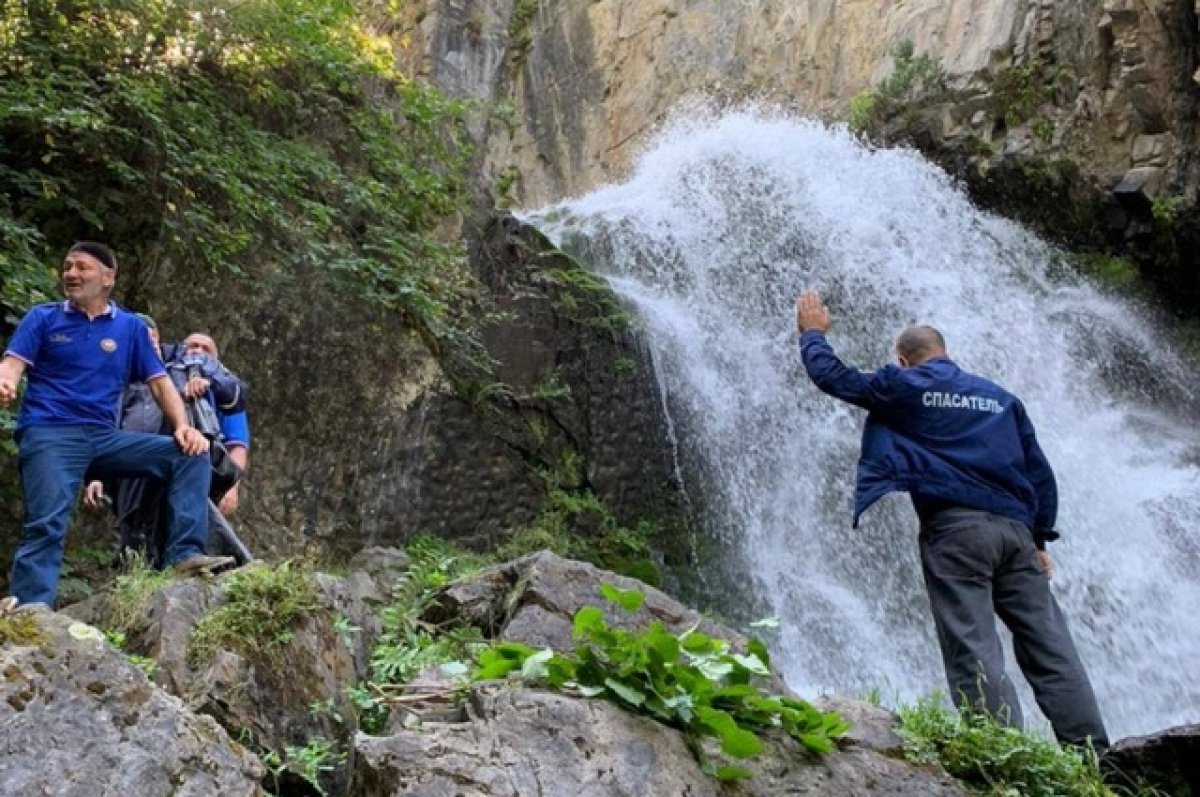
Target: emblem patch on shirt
<point>109,345</point>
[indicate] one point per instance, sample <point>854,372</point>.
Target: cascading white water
<point>723,222</point>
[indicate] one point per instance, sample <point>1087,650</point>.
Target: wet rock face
<point>1108,85</point>
<point>363,436</point>
<point>79,719</point>
<point>1168,761</point>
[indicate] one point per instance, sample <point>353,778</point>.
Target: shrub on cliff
<point>272,138</point>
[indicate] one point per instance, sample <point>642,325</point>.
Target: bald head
<point>918,344</point>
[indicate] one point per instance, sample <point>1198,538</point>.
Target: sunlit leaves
<point>692,681</point>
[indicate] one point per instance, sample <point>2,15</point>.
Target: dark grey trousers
<point>977,563</point>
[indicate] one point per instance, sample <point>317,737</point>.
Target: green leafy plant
<point>407,644</point>
<point>862,110</point>
<point>914,76</point>
<point>270,139</point>
<point>144,663</point>
<point>1165,209</point>
<point>551,386</point>
<point>127,598</point>
<point>993,759</point>
<point>310,761</point>
<point>263,607</point>
<point>575,523</point>
<point>690,681</point>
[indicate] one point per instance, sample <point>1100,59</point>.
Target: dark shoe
<point>201,565</point>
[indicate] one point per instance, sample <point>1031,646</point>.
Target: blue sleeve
<point>1041,476</point>
<point>146,363</point>
<point>832,376</point>
<point>235,429</point>
<point>228,391</point>
<point>26,342</point>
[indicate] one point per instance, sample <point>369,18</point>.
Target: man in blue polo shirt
<point>79,355</point>
<point>965,451</point>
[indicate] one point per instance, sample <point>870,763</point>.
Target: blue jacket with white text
<point>947,437</point>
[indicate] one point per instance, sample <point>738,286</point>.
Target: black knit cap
<point>96,250</point>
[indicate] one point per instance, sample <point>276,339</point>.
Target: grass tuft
<point>263,608</point>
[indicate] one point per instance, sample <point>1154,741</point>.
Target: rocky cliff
<point>1078,118</point>
<point>573,88</point>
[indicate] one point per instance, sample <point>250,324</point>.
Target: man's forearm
<point>240,455</point>
<point>833,376</point>
<point>168,400</point>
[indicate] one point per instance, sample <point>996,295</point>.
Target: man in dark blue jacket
<point>965,451</point>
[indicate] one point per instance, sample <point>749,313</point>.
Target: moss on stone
<point>264,607</point>
<point>22,629</point>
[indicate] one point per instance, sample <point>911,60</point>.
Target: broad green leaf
<point>757,648</point>
<point>740,743</point>
<point>816,742</point>
<point>628,599</point>
<point>735,691</point>
<point>587,619</point>
<point>494,668</point>
<point>730,774</point>
<point>662,642</point>
<point>626,692</point>
<point>751,663</point>
<point>714,669</point>
<point>535,667</point>
<point>697,642</point>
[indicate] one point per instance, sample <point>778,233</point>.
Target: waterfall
<point>720,225</point>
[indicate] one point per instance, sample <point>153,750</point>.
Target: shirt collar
<point>111,310</point>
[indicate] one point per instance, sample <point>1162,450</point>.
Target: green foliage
<point>1022,88</point>
<point>1118,274</point>
<point>624,367</point>
<point>118,640</point>
<point>408,645</point>
<point>576,524</point>
<point>265,137</point>
<point>311,761</point>
<point>551,386</point>
<point>1166,209</point>
<point>689,681</point>
<point>585,296</point>
<point>125,603</point>
<point>996,760</point>
<point>914,76</point>
<point>21,628</point>
<point>520,30</point>
<point>1044,130</point>
<point>508,177</point>
<point>263,607</point>
<point>862,110</point>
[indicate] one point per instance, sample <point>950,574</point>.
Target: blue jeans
<point>54,460</point>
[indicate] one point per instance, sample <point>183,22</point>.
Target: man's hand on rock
<point>811,313</point>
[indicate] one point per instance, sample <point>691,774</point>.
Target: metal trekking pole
<point>230,541</point>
